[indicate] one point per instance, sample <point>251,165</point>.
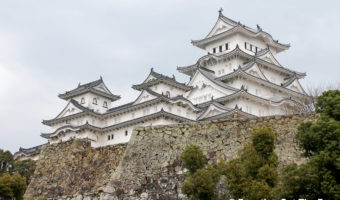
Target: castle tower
<point>240,70</point>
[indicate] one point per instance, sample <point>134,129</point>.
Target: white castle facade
<point>239,77</point>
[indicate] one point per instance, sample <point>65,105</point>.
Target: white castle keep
<point>239,77</point>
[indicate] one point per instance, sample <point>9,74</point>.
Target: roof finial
<point>101,78</point>
<point>220,12</point>
<point>212,98</point>
<point>173,77</point>
<point>151,69</point>
<point>79,84</point>
<point>258,27</point>
<point>236,107</point>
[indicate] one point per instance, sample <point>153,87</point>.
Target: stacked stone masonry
<point>72,168</point>
<point>151,167</point>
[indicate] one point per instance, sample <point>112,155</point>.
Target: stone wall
<point>150,167</point>
<point>73,168</point>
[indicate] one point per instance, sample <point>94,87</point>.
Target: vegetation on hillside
<point>251,176</point>
<point>14,176</point>
<point>254,175</point>
<point>320,142</point>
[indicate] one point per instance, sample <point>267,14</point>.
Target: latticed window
<point>105,104</point>
<point>82,101</point>
<point>94,101</point>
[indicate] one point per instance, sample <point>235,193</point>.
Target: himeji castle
<point>238,77</point>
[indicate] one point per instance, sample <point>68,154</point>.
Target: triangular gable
<point>149,78</point>
<point>295,86</point>
<point>144,96</point>
<point>220,26</point>
<point>269,58</point>
<point>70,109</point>
<point>102,87</point>
<point>199,80</point>
<point>212,110</point>
<point>256,71</point>
<point>204,94</point>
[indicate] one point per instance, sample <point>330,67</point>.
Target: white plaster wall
<point>257,89</point>
<point>272,76</point>
<point>225,67</point>
<point>164,88</point>
<point>233,40</point>
<point>121,137</point>
<point>89,102</point>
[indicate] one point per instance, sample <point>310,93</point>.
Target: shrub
<point>193,158</point>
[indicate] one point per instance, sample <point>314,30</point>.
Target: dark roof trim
<point>240,71</point>
<point>161,113</point>
<point>119,108</point>
<point>239,27</point>
<point>29,151</point>
<point>161,80</point>
<point>214,80</point>
<point>227,114</point>
<point>88,87</point>
<point>188,69</point>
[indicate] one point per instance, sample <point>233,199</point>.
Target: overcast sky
<point>47,47</point>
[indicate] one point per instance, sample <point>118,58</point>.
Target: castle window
<point>82,101</point>
<point>112,136</point>
<point>167,93</point>
<point>245,45</point>
<point>108,137</point>
<point>251,47</point>
<point>256,49</point>
<point>226,46</point>
<point>105,104</point>
<point>94,101</point>
<point>126,133</point>
<point>214,50</point>
<point>220,48</point>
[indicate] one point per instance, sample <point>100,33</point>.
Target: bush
<point>12,186</point>
<point>253,175</point>
<point>320,142</point>
<point>193,158</point>
<point>201,185</point>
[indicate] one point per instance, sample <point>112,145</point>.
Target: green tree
<point>14,176</point>
<point>320,142</point>
<point>5,187</point>
<point>25,168</point>
<point>253,174</point>
<point>12,186</point>
<point>6,161</point>
<point>200,182</point>
<point>193,158</point>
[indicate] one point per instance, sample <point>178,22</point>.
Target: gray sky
<point>47,47</point>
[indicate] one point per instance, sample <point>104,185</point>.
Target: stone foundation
<point>151,167</point>
<point>73,168</point>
